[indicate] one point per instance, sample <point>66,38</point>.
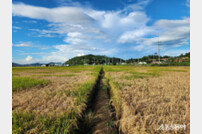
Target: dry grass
<point>146,97</point>
<point>56,107</point>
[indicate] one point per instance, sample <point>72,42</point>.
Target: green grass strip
<point>22,83</point>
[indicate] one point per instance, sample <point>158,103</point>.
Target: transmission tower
<point>159,50</point>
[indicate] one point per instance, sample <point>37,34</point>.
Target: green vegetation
<point>110,124</point>
<point>15,74</point>
<point>29,122</point>
<point>149,70</point>
<point>62,75</point>
<point>89,119</point>
<point>185,55</point>
<point>82,92</point>
<point>22,83</point>
<point>181,60</point>
<point>73,69</point>
<point>93,59</point>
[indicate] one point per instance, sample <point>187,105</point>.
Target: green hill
<point>93,59</point>
<point>184,57</point>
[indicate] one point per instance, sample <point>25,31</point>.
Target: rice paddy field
<point>50,99</point>
<point>134,99</point>
<point>145,98</point>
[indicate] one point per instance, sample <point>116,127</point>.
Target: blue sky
<point>57,30</point>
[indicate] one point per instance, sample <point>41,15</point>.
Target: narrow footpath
<point>99,118</point>
<point>102,113</point>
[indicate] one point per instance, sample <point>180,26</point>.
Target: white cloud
<point>30,44</point>
<point>86,20</point>
<point>187,3</point>
<point>138,48</point>
<point>86,30</point>
<point>60,14</point>
<point>29,58</point>
<point>23,44</point>
<point>80,54</point>
<point>170,33</point>
<point>124,22</point>
<point>65,52</point>
<point>39,53</point>
<point>140,5</point>
<point>29,21</point>
<point>164,23</point>
<point>74,34</point>
<point>15,27</point>
<point>175,52</point>
<point>43,33</point>
<point>135,35</point>
<point>75,38</point>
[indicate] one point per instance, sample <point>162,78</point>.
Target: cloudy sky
<point>57,30</point>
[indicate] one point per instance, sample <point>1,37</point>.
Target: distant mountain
<point>26,65</point>
<point>34,64</point>
<point>93,59</point>
<point>37,64</point>
<point>16,65</point>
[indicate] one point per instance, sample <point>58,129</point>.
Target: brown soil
<point>103,115</point>
<point>100,116</point>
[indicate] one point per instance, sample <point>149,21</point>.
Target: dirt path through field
<point>99,118</point>
<point>102,113</point>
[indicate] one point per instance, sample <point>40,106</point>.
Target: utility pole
<point>125,57</point>
<point>159,50</point>
<point>153,57</point>
<point>105,61</point>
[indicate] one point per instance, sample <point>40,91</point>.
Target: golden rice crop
<point>55,107</point>
<point>147,97</point>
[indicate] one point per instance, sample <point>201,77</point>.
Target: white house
<point>142,63</point>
